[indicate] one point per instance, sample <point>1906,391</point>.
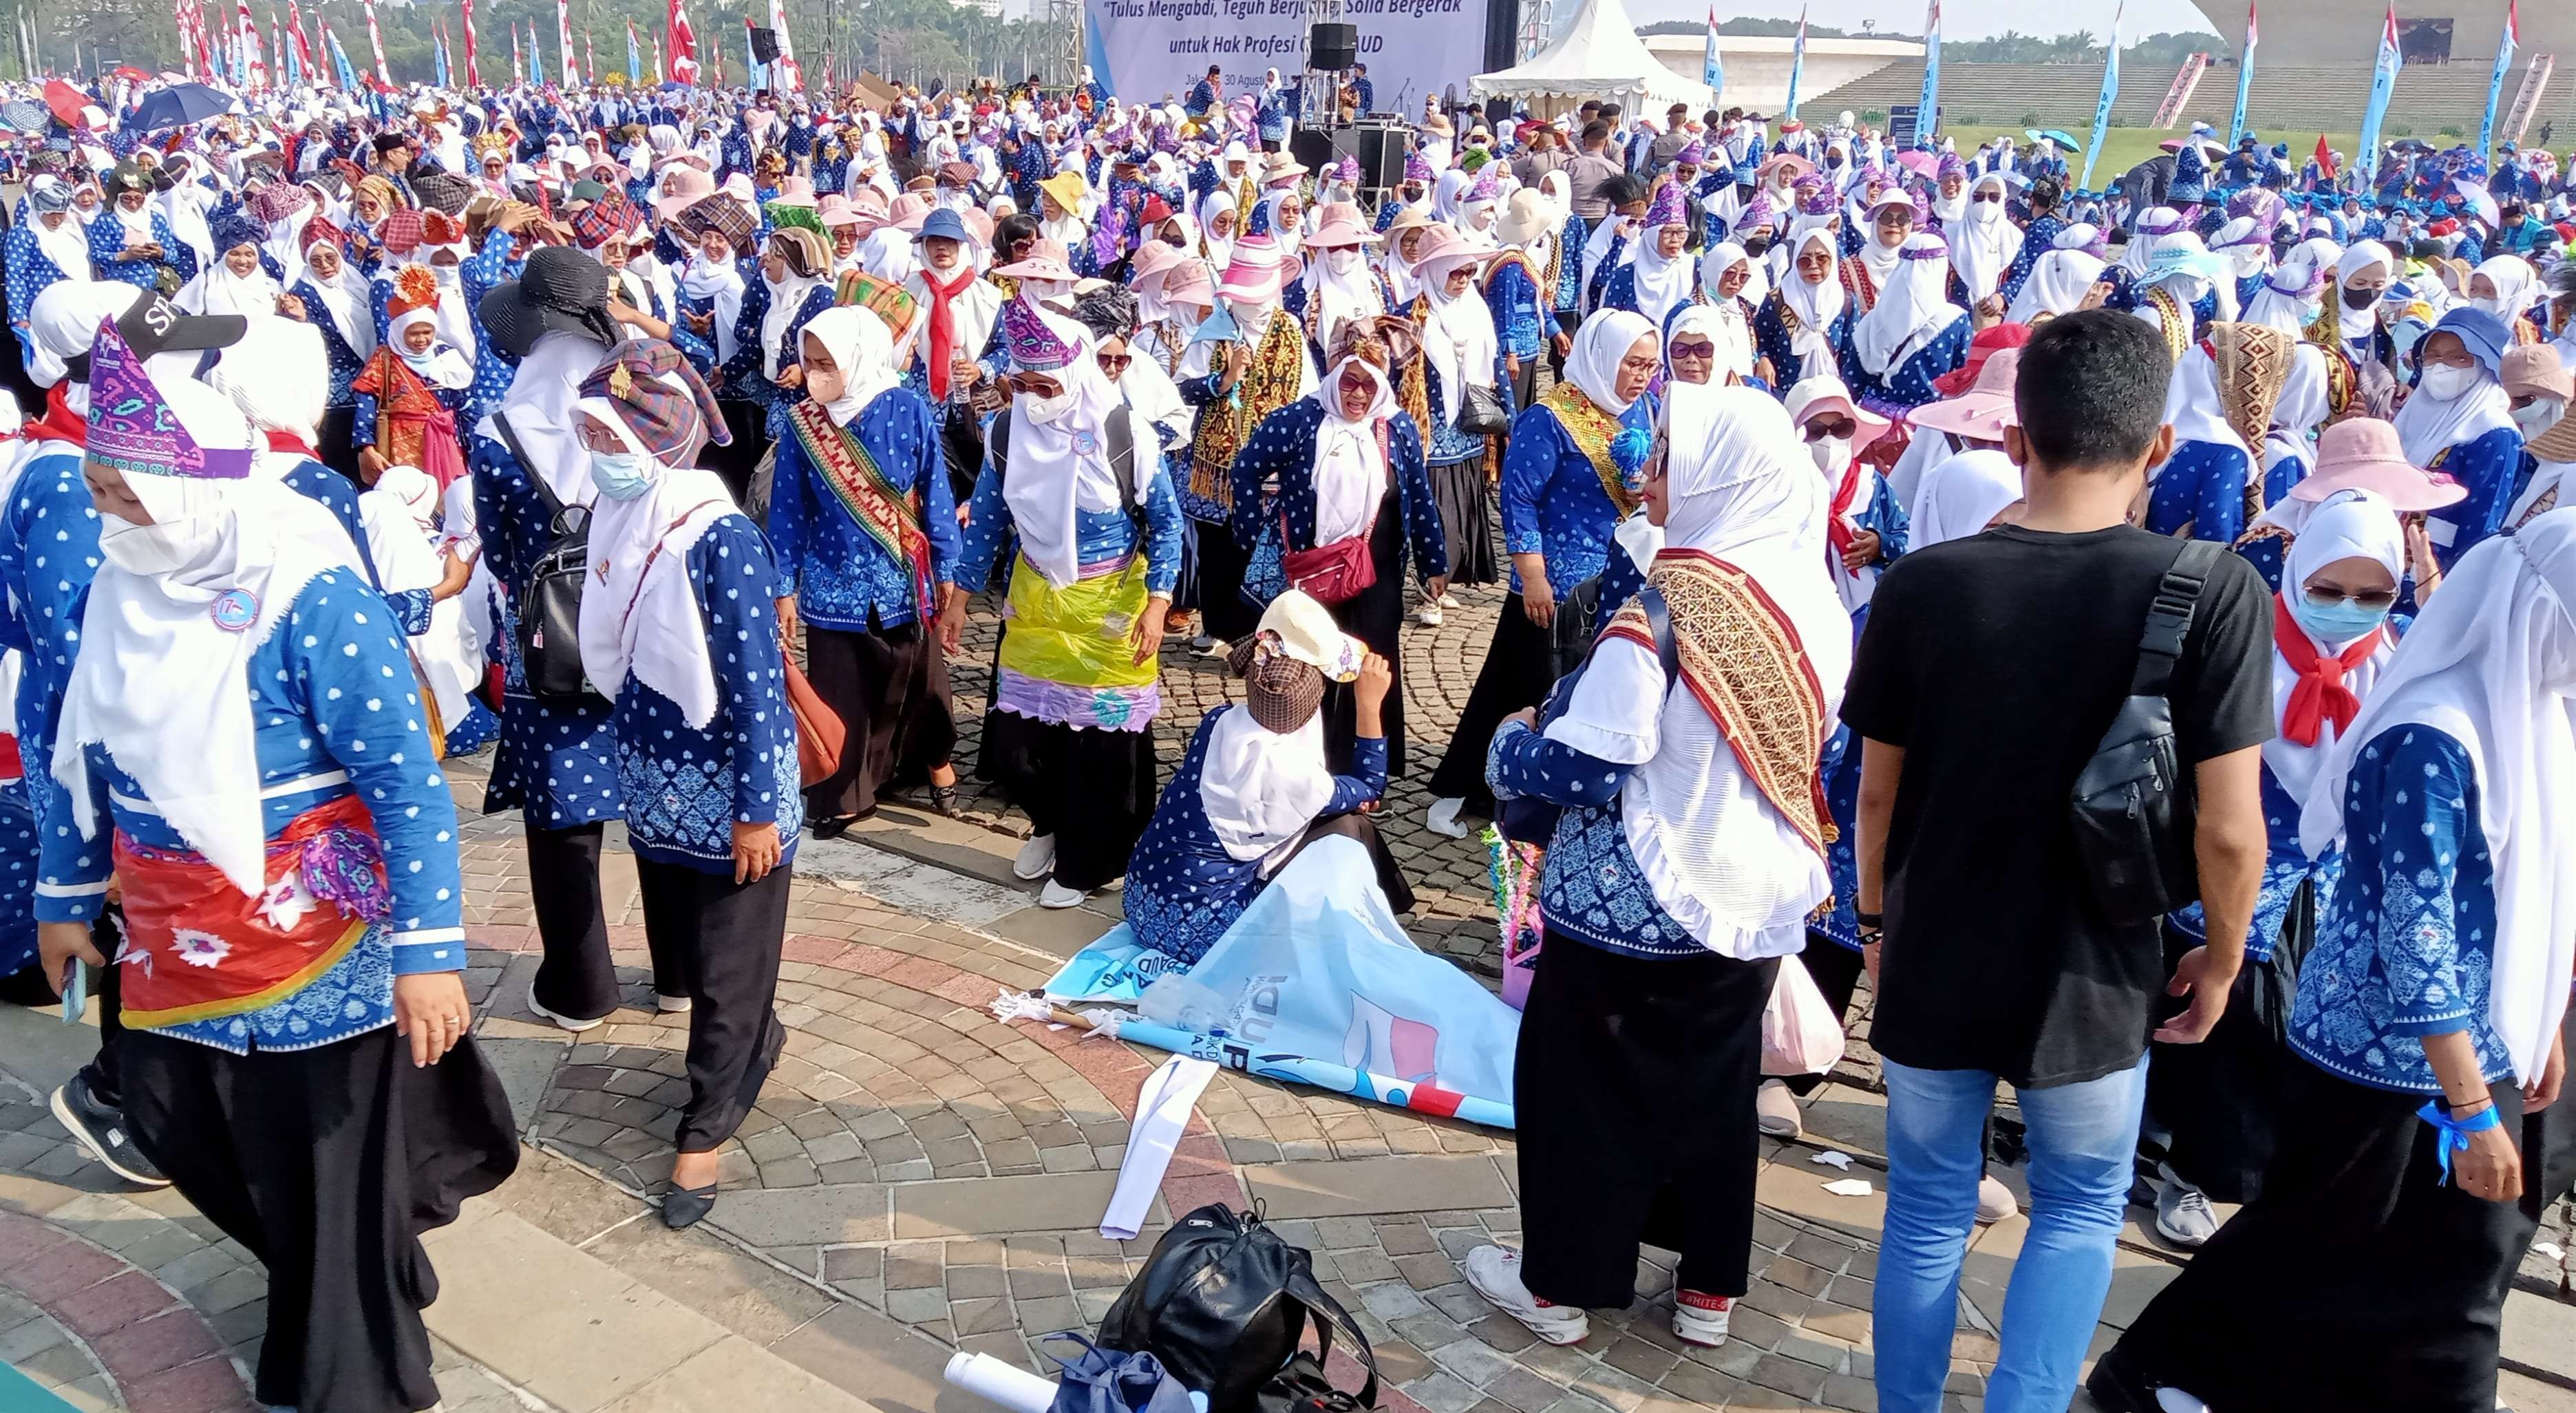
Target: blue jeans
<point>2083,1139</point>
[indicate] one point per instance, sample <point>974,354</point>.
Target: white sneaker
<point>1775,1110</point>
<point>561,1022</point>
<point>1428,615</point>
<point>672,1005</point>
<point>1995,1202</point>
<point>1495,1272</point>
<point>2174,1400</point>
<point>2183,1215</point>
<point>1701,1319</point>
<point>1443,818</point>
<point>1036,858</point>
<point>1056,895</point>
<point>1448,600</point>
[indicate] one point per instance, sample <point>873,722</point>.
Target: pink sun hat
<point>1253,275</point>
<point>2365,454</point>
<point>1827,393</point>
<point>1984,410</point>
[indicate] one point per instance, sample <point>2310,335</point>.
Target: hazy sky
<point>1960,19</point>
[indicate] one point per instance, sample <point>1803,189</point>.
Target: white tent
<point>1598,56</point>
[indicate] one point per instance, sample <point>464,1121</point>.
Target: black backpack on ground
<point>1223,1302</point>
<point>549,604</point>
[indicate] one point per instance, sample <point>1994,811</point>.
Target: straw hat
<point>1524,218</point>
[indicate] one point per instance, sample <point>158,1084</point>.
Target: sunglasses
<point>1703,349</point>
<point>1834,427</point>
<point>1113,362</point>
<point>1985,196</point>
<point>2373,599</point>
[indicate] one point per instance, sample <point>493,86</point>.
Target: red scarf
<point>943,327</point>
<point>60,423</point>
<point>288,441</point>
<point>1838,531</point>
<point>2320,695</point>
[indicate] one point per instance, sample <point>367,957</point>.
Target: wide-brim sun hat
<point>1984,410</point>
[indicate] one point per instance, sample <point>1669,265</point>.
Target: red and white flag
<point>563,40</point>
<point>247,30</point>
<point>303,46</point>
<point>684,44</point>
<point>473,75</point>
<point>376,41</point>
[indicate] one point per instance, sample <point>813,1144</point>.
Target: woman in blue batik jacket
<point>2412,1147</point>
<point>557,761</point>
<point>295,1055</point>
<point>2459,422</point>
<point>677,625</point>
<point>795,284</point>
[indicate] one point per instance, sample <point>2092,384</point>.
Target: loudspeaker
<point>764,44</point>
<point>1332,47</point>
<point>1381,154</point>
<point>1315,148</point>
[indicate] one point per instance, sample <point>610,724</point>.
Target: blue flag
<point>438,60</point>
<point>634,61</point>
<point>1928,117</point>
<point>2244,78</point>
<point>1712,65</point>
<point>1797,64</point>
<point>2383,82</point>
<point>2102,109</point>
<point>2495,80</point>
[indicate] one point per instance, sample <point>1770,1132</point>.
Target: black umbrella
<point>179,103</point>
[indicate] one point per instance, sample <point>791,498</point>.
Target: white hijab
<point>190,741</point>
<point>1260,788</point>
<point>1961,496</point>
<point>2346,525</point>
<point>346,302</point>
<point>217,290</point>
<point>2195,409</point>
<point>1817,307</point>
<point>1983,245</point>
<point>1912,309</point>
<point>400,515</point>
<point>67,245</point>
<point>2492,662</point>
<point>786,300</point>
<point>1664,283</point>
<point>2428,426</point>
<point>1593,364</point>
<point>640,614</point>
<point>721,282</point>
<point>1338,293</point>
<point>1718,856</point>
<point>2516,283</point>
<point>2358,324</point>
<point>2057,284</point>
<point>2299,411</point>
<point>539,406</point>
<point>1350,470</point>
<point>1458,338</point>
<point>1053,476</point>
<point>1725,327</point>
<point>863,350</point>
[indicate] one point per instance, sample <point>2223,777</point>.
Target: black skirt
<point>1224,613</point>
<point>1093,790</point>
<point>1375,616</point>
<point>2358,1282</point>
<point>2220,1101</point>
<point>328,1164</point>
<point>1633,1084</point>
<point>1466,501</point>
<point>1519,669</point>
<point>733,463</point>
<point>890,689</point>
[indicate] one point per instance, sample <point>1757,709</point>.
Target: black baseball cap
<point>152,324</point>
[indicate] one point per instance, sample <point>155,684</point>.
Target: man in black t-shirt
<point>1988,673</point>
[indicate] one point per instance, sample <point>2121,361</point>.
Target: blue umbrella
<point>179,104</point>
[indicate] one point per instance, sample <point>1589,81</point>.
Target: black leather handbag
<point>1481,412</point>
<point>1222,1302</point>
<point>2132,806</point>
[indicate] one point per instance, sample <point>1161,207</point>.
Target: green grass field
<point>2127,147</point>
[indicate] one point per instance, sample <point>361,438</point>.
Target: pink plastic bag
<point>1800,1033</point>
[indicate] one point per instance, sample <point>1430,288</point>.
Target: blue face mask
<point>2335,623</point>
<point>620,475</point>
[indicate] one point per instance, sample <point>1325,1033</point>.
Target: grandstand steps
<point>2287,99</point>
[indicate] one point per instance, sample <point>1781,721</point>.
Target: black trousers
<point>1093,790</point>
<point>733,464</point>
<point>27,986</point>
<point>575,978</point>
<point>328,1164</point>
<point>1223,614</point>
<point>1634,1086</point>
<point>1519,668</point>
<point>2392,1281</point>
<point>890,689</point>
<point>720,940</point>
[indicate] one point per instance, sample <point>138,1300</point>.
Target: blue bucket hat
<point>944,223</point>
<point>2484,334</point>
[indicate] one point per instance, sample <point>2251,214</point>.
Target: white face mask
<point>2539,416</point>
<point>2445,381</point>
<point>1341,262</point>
<point>1832,454</point>
<point>2490,305</point>
<point>157,548</point>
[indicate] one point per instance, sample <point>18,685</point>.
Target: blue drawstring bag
<point>1106,1381</point>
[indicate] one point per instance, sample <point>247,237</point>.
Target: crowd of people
<point>1841,497</point>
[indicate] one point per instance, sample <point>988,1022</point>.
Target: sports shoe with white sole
<point>1775,1110</point>
<point>1701,1319</point>
<point>1428,616</point>
<point>1995,1202</point>
<point>1036,858</point>
<point>1056,895</point>
<point>1443,818</point>
<point>100,1128</point>
<point>672,1005</point>
<point>562,1022</point>
<point>2183,1215</point>
<point>1495,1272</point>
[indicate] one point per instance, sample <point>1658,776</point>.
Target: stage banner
<point>1159,48</point>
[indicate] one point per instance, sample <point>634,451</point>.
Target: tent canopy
<point>1598,56</point>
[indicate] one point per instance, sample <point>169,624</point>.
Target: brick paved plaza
<point>920,1178</point>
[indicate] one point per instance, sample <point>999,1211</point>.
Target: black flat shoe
<point>2118,1387</point>
<point>837,826</point>
<point>943,800</point>
<point>687,1206</point>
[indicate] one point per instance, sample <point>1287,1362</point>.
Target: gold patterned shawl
<point>2253,362</point>
<point>1592,431</point>
<point>1742,659</point>
<point>2174,321</point>
<point>1278,365</point>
